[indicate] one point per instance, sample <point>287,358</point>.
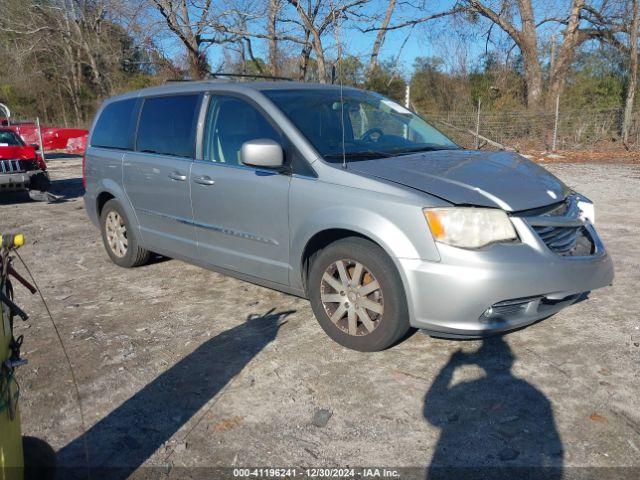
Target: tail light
<point>84,170</point>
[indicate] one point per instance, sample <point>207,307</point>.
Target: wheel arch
<point>326,236</point>
<point>319,241</point>
<point>101,199</point>
<point>109,190</point>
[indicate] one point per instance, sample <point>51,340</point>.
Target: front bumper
<point>16,182</point>
<point>524,282</point>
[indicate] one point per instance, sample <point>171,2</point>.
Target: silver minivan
<point>344,197</point>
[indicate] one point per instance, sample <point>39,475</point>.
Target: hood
<point>17,152</point>
<point>468,177</point>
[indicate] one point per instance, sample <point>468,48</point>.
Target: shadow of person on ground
<point>123,440</point>
<point>494,427</point>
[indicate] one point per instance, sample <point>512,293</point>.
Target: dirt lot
<point>179,366</point>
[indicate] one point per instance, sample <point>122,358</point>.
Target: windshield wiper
<point>426,148</point>
<point>363,154</point>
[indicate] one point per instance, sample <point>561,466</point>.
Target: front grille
<point>566,241</point>
<point>12,166</point>
<point>561,228</point>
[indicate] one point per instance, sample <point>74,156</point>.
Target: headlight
<point>587,210</point>
<point>469,227</point>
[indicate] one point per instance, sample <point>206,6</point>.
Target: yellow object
<point>18,240</point>
<point>11,455</point>
<point>14,241</point>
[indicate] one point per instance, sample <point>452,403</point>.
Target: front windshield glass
<point>374,126</point>
<point>8,138</point>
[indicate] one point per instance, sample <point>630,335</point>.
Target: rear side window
<point>167,125</point>
<point>114,128</point>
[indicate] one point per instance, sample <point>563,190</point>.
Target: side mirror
<point>36,146</point>
<point>262,152</point>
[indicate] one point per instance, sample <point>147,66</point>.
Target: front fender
<point>368,223</point>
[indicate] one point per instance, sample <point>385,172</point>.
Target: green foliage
<point>385,80</point>
<point>597,80</point>
<point>350,71</point>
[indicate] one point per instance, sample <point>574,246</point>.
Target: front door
<point>156,175</point>
<point>240,212</point>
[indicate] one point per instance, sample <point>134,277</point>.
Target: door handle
<point>177,176</point>
<point>204,180</point>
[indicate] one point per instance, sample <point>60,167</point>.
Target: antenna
<point>339,47</point>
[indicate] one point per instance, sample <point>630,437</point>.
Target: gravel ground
<point>182,367</point>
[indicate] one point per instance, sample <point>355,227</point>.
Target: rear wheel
<point>119,237</point>
<point>357,296</point>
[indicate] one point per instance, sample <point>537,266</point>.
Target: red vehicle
<point>68,140</point>
<point>21,167</point>
<point>54,139</point>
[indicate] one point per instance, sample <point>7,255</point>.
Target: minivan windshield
<point>374,126</point>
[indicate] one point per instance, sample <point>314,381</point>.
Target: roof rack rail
<point>212,75</point>
<point>250,75</point>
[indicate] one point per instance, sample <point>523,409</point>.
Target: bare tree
<point>526,38</point>
<point>315,17</point>
<point>71,41</point>
<point>380,36</point>
<point>272,19</point>
<point>189,20</point>
<point>633,71</point>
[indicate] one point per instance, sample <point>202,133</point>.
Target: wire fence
<point>568,130</point>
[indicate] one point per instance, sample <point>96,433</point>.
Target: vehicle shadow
<point>61,155</point>
<point>67,188</point>
<point>10,198</point>
<point>123,440</point>
<point>62,190</point>
<point>497,426</point>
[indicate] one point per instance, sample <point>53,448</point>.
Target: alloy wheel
<point>352,297</point>
<point>116,232</point>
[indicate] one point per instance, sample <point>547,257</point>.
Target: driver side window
<point>230,123</point>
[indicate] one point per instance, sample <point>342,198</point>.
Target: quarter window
<point>167,125</point>
<point>230,123</point>
<point>114,128</point>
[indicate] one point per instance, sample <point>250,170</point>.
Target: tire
<point>381,314</point>
<point>124,250</point>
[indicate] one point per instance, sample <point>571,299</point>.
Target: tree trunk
<point>319,50</point>
<point>197,63</point>
<point>562,64</point>
<point>304,57</point>
<point>633,73</point>
<point>381,35</point>
<point>274,8</point>
<point>533,78</point>
<point>527,40</point>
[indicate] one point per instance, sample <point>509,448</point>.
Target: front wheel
<point>357,295</point>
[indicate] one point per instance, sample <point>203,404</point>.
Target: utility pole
<point>555,124</point>
<point>552,62</point>
<point>478,125</point>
